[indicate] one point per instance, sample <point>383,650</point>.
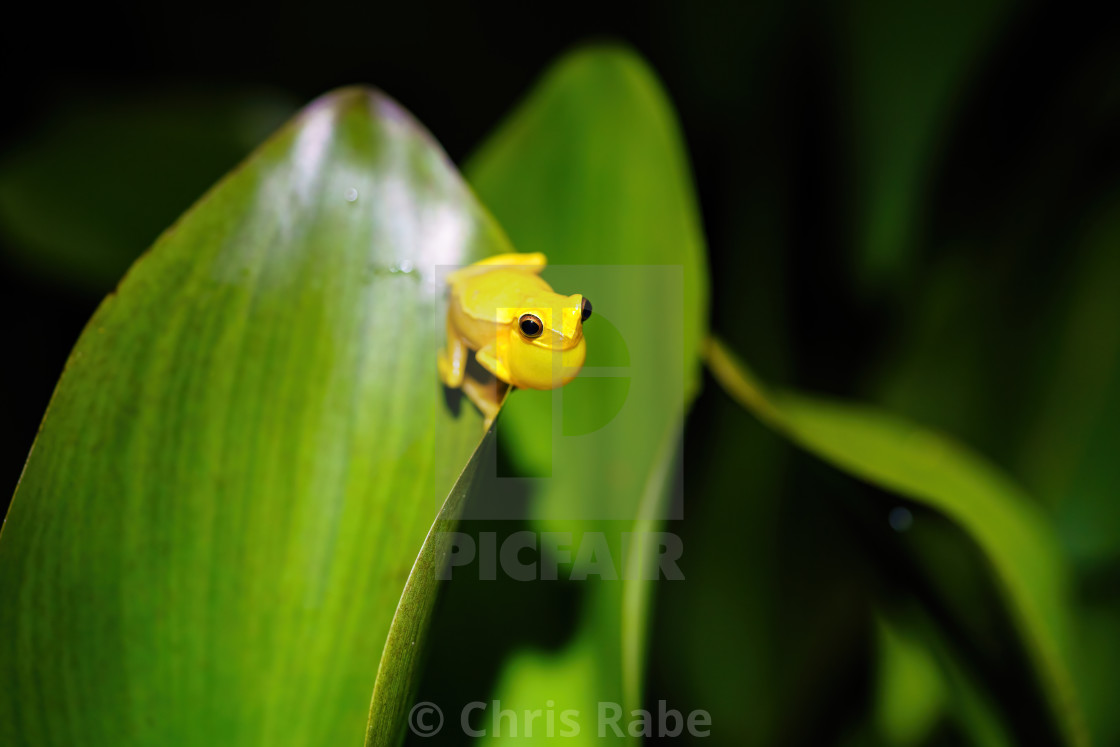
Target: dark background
<point>960,332</point>
<point>760,90</point>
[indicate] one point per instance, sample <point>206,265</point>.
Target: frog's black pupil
<point>585,310</point>
<point>530,326</point>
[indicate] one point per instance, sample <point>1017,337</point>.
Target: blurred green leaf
<point>1030,371</point>
<point>908,65</point>
<point>96,183</point>
<point>929,468</point>
<point>1069,454</point>
<point>947,366</point>
<point>591,171</point>
<point>911,689</point>
<point>245,453</point>
<point>920,682</point>
<point>1097,623</point>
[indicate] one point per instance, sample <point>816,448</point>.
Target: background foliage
<point>911,208</point>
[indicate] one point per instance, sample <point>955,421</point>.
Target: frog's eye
<point>585,309</point>
<point>530,325</point>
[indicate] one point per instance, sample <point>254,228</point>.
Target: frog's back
<point>496,295</point>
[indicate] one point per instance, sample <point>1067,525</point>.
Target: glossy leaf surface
<point>245,453</point>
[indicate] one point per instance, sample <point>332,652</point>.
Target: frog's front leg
<point>487,357</point>
<point>486,397</point>
<point>452,361</point>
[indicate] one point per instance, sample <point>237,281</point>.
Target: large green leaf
<point>245,453</point>
<point>929,468</point>
<point>396,674</point>
<point>591,171</point>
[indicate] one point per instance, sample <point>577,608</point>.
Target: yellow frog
<point>522,331</point>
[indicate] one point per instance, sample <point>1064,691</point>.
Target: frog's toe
<point>486,397</point>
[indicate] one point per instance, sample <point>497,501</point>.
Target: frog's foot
<point>452,362</point>
<point>486,397</point>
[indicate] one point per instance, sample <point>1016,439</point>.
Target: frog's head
<point>546,347</point>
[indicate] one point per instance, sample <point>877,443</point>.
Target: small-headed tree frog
<point>520,330</point>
